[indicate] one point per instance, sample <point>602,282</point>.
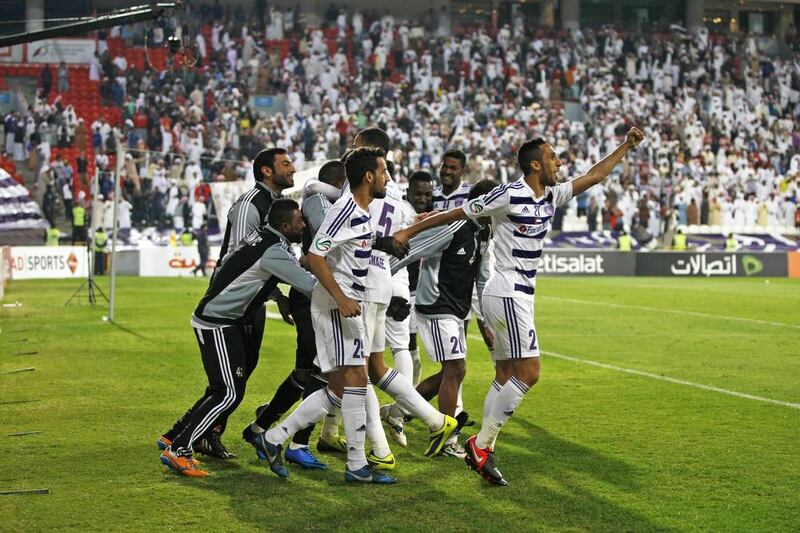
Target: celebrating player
<point>242,284</point>
<point>305,378</point>
<point>453,261</point>
<point>274,172</point>
<point>339,256</point>
<point>521,214</point>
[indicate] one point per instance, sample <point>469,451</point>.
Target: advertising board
<point>47,262</point>
<point>699,264</point>
<point>588,263</point>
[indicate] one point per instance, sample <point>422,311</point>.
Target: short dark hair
<point>331,172</point>
<point>456,154</point>
<point>374,137</point>
<point>529,152</point>
<point>359,162</point>
<point>481,188</point>
<point>345,154</point>
<point>419,175</point>
<point>266,158</point>
<point>281,211</point>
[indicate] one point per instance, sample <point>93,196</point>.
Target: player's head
<point>481,188</point>
<point>390,168</point>
<point>284,215</point>
<point>420,191</point>
<point>536,157</point>
<point>274,168</point>
<point>366,167</point>
<point>332,173</point>
<point>373,137</point>
<point>453,164</point>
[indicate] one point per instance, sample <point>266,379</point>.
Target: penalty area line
<point>659,377</point>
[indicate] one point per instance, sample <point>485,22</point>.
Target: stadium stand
<point>717,109</point>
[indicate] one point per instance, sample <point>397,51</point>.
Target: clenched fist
<point>634,137</point>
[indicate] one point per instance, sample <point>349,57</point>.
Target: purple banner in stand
<point>706,242</point>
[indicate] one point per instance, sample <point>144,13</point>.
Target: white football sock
<point>330,426</point>
<point>311,410</point>
<point>494,388</point>
<point>459,402</point>
<point>417,365</point>
<point>403,362</point>
<point>504,405</point>
<point>354,416</point>
<point>400,388</point>
<point>375,433</point>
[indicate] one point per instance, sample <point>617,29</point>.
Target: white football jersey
<point>387,217</point>
<point>520,222</point>
<point>458,197</point>
<point>345,240</point>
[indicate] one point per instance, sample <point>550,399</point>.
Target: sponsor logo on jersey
<point>364,244</point>
<point>526,210</point>
<point>461,251</point>
<point>322,244</point>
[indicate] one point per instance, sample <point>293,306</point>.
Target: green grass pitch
<point>619,434</point>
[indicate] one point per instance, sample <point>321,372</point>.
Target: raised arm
<point>602,169</point>
<point>402,236</point>
<point>428,244</point>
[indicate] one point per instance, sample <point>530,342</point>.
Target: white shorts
<point>374,327</point>
<point>340,340</point>
<point>412,317</point>
<point>475,309</point>
<point>443,338</point>
<point>511,322</point>
<point>397,333</point>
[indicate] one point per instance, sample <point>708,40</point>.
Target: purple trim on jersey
<point>359,273</point>
<point>443,198</point>
<point>523,219</point>
<point>362,254</point>
<point>360,220</point>
<point>523,288</point>
<point>358,287</point>
<point>526,273</point>
<point>518,200</point>
<point>336,225</point>
<point>526,254</point>
<point>494,194</point>
<point>364,236</point>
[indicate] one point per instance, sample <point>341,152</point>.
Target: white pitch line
<point>673,311</point>
<point>642,373</point>
<point>662,378</point>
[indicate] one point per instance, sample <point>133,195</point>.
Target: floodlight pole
<point>115,231</point>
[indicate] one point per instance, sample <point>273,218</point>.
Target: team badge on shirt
<point>322,244</point>
<point>475,208</point>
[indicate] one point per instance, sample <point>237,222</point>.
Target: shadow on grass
<point>554,484</point>
<point>127,330</point>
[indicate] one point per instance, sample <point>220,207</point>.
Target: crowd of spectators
<point>718,114</point>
